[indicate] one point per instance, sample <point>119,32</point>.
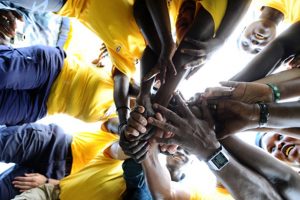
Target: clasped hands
<point>169,129</point>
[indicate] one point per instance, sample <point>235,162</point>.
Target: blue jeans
<point>40,5</point>
<point>136,186</point>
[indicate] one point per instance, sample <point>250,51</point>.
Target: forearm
<point>243,183</point>
<point>262,64</point>
<point>286,44</point>
<point>53,181</point>
<point>160,15</point>
<point>281,177</point>
<point>116,152</point>
<point>284,115</point>
<point>121,95</point>
<point>234,13</point>
<point>158,177</point>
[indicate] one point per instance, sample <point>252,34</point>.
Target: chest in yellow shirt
<point>114,23</point>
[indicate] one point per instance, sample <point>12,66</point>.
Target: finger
<point>168,141</point>
<point>162,125</point>
<point>17,15</point>
<point>139,147</point>
<point>184,109</point>
<point>153,72</point>
<point>140,109</point>
<point>30,174</point>
<point>168,114</point>
<point>192,72</point>
<point>194,42</point>
<point>25,187</point>
<point>163,72</point>
<point>173,68</point>
<point>22,178</point>
<point>233,84</point>
<point>194,63</point>
<point>142,155</point>
<point>172,148</point>
<point>216,92</point>
<point>131,132</point>
<point>136,125</point>
<point>194,52</point>
<point>137,116</point>
<point>206,114</point>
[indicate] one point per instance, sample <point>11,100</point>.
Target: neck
<point>271,14</point>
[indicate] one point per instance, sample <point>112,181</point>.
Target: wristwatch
<point>218,160</point>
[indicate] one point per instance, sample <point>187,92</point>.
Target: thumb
<point>165,140</point>
<point>229,83</point>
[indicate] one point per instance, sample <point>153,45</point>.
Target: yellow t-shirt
<point>82,91</point>
<point>101,178</point>
<point>289,8</point>
<point>114,23</point>
<point>215,194</point>
<point>86,146</point>
<point>216,8</point>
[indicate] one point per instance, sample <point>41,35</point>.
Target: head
<point>257,35</point>
<point>185,17</point>
<point>176,162</point>
<point>283,147</point>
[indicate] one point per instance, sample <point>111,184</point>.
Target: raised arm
<point>283,178</point>
<point>198,138</point>
<point>285,45</point>
<point>121,95</point>
<point>234,12</point>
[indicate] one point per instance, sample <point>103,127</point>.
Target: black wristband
<point>120,126</point>
<point>263,114</point>
<point>122,107</point>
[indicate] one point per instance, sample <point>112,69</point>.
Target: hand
<point>233,116</point>
<point>192,134</point>
<point>29,181</point>
<point>201,53</point>
<point>241,91</point>
<point>164,65</point>
<point>8,22</point>
<point>295,62</point>
<point>145,101</point>
<point>102,55</point>
<point>132,135</point>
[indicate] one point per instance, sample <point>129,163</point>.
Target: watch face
<point>219,160</point>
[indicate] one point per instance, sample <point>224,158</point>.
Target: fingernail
<point>150,120</point>
<point>155,105</point>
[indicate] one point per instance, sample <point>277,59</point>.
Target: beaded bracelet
<point>122,107</point>
<point>275,91</point>
<point>263,114</point>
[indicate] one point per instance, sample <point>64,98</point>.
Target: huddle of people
<point>171,40</point>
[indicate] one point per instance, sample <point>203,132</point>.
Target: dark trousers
<point>40,5</point>
<point>136,186</point>
<point>26,77</point>
<point>43,149</point>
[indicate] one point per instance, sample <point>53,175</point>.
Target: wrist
<point>207,153</point>
<point>275,92</point>
<point>218,160</point>
<point>263,114</point>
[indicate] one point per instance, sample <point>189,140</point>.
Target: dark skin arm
<point>202,29</point>
<point>197,137</point>
<point>121,95</point>
<point>285,180</point>
<point>160,16</point>
<point>234,12</point>
<point>286,44</point>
